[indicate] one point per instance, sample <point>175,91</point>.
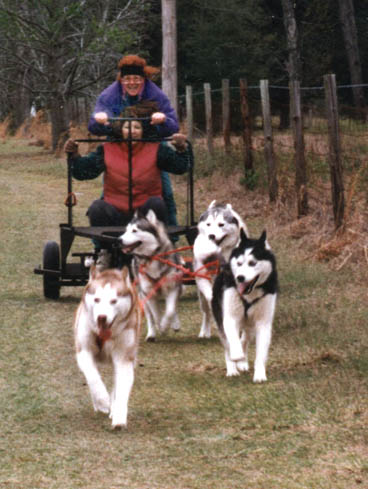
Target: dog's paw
<point>205,332</point>
<point>231,369</point>
<point>259,375</point>
<point>118,421</point>
<point>242,366</point>
<point>101,403</point>
<point>164,325</point>
<point>175,324</point>
<point>118,415</point>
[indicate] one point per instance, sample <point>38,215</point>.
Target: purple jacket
<point>112,102</point>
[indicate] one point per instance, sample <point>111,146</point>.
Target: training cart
<point>58,270</point>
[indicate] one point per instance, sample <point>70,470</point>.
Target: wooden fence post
<point>300,164</point>
<point>336,169</point>
<point>189,109</point>
<point>226,114</point>
<point>247,126</point>
<point>267,130</point>
<point>208,109</point>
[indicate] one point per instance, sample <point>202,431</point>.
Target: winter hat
<point>135,65</point>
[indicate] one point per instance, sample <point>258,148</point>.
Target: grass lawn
<point>189,427</point>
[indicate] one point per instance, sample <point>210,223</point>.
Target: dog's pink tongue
<point>241,287</point>
<point>105,334</point>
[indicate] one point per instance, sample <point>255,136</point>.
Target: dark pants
<point>101,213</point>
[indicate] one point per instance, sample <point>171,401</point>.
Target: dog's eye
<point>113,301</point>
<point>221,224</point>
<point>97,300</point>
<point>252,263</point>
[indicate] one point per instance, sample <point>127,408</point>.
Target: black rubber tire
<point>51,261</point>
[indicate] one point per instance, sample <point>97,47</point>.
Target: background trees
<point>53,50</point>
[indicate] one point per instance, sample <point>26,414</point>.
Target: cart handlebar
<point>120,140</point>
<point>115,119</point>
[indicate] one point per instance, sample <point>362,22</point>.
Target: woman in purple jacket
<point>133,85</point>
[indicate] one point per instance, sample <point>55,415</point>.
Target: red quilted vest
<point>146,178</point>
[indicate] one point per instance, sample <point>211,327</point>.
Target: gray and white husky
<point>145,237</point>
<point>218,233</point>
<point>243,304</point>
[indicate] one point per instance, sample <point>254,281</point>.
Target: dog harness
<point>247,305</point>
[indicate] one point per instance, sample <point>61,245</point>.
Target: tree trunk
<point>56,101</point>
<point>58,112</point>
<point>169,56</point>
<point>347,18</point>
<point>293,65</point>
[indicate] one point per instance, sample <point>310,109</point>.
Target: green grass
<point>189,427</point>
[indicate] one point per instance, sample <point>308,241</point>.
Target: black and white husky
<point>145,237</point>
<point>218,233</point>
<point>243,304</point>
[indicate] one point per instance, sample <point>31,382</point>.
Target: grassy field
<point>189,427</point>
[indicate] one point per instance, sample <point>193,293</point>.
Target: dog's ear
<point>263,237</point>
<point>92,272</point>
<point>151,217</point>
<point>263,240</point>
<point>229,207</point>
<point>243,236</point>
<point>212,204</point>
<point>125,273</point>
<point>244,230</point>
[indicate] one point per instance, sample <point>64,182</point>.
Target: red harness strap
<point>212,268</point>
<point>70,200</point>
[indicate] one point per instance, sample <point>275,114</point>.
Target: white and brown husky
<point>218,233</point>
<point>145,237</point>
<point>107,326</point>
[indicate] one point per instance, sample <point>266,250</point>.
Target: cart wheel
<point>51,261</point>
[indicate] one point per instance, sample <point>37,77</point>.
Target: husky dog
<point>145,237</point>
<point>107,326</point>
<point>218,233</point>
<point>243,304</point>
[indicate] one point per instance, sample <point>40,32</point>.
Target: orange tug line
<point>179,276</point>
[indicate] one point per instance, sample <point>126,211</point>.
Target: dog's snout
<point>102,321</point>
<point>212,236</point>
<point>240,278</point>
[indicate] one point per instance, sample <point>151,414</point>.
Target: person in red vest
<point>148,160</point>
